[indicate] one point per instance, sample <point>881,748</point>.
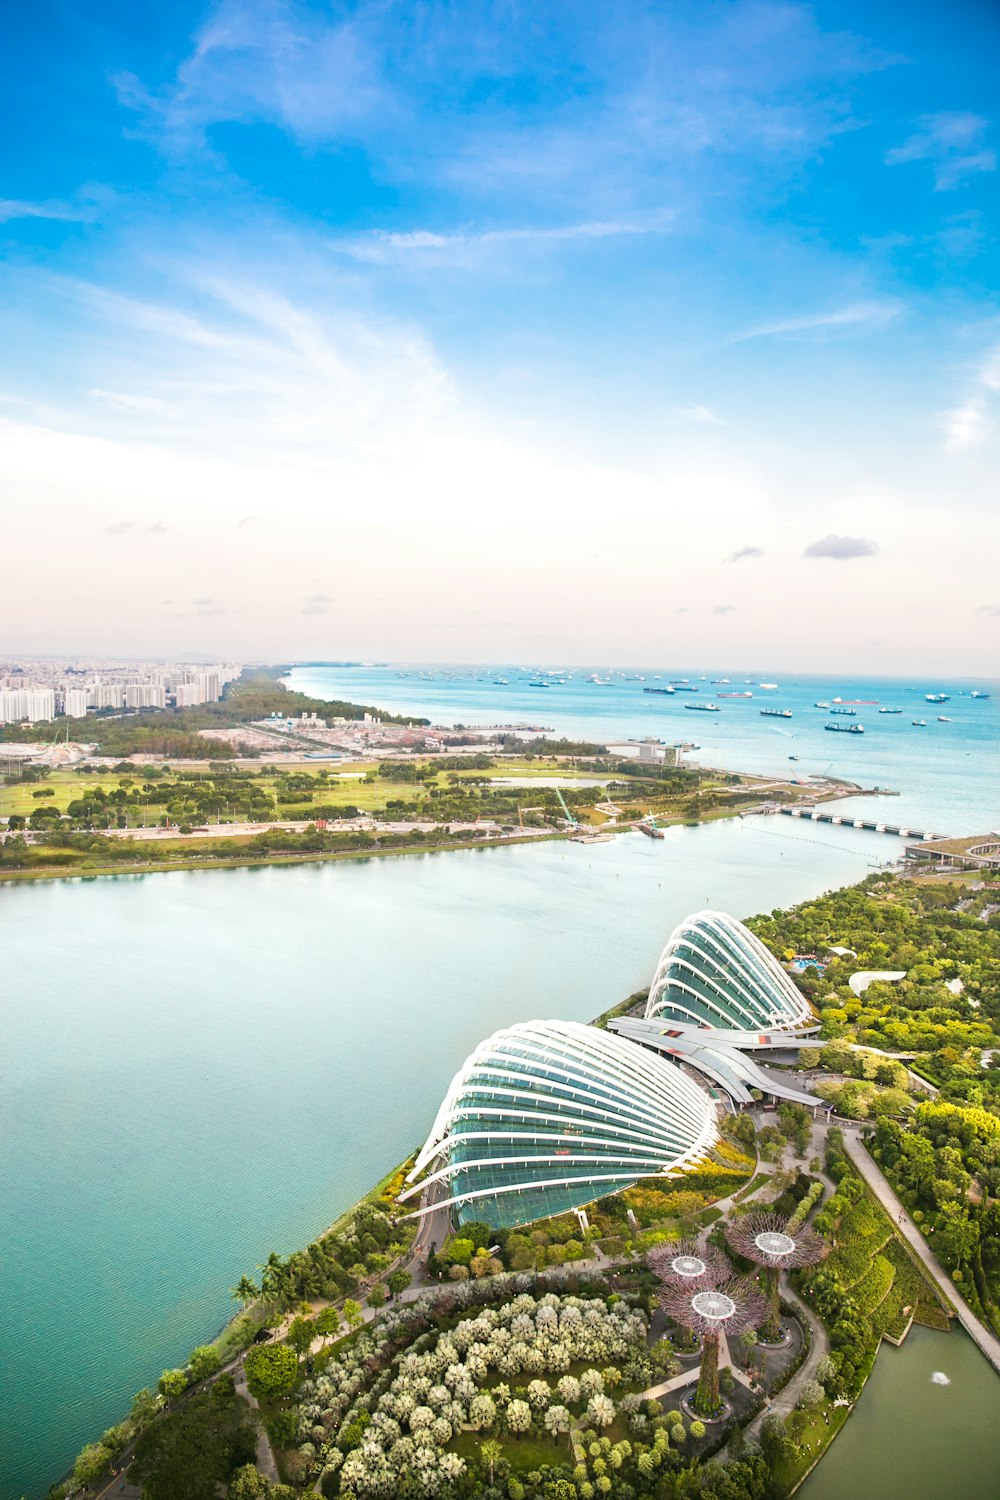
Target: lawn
<point>812,1435</point>
<point>528,1452</point>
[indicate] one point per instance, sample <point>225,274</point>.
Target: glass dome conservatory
<point>549,1115</point>
<point>715,973</point>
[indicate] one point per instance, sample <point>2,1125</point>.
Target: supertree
<point>728,1307</point>
<point>687,1263</point>
<point>776,1245</point>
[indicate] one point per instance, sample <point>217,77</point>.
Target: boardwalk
<point>981,1335</point>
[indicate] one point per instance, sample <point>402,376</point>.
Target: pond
<point>927,1427</point>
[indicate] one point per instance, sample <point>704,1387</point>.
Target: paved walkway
<point>977,1331</point>
<point>266,1462</point>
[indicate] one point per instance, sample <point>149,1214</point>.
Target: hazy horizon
<point>498,333</point>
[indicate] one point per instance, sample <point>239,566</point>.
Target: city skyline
<point>353,332</point>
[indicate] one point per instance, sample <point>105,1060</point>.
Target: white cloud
<point>18,208</point>
<point>970,421</point>
<point>383,246</point>
<point>872,314</point>
<point>953,144</point>
<point>129,401</point>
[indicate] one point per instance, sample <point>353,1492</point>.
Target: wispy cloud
<point>969,422</point>
<point>695,412</point>
<point>129,401</point>
<point>383,246</point>
<point>744,552</point>
<point>988,609</point>
<point>19,208</point>
<point>953,143</point>
<point>872,314</point>
<point>724,609</point>
<point>136,528</point>
<point>841,547</point>
<point>315,609</point>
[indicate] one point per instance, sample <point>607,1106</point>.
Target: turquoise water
<point>201,1067</point>
<point>914,1438</point>
<point>946,773</point>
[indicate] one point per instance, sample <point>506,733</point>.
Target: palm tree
<point>490,1452</point>
<point>246,1292</point>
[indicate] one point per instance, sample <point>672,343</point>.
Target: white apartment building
<point>75,703</point>
<point>145,695</point>
<point>37,705</point>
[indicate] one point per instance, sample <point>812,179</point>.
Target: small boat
<point>920,723</point>
<point>539,683</point>
<point>943,719</point>
<point>773,686</point>
<point>935,697</point>
<point>776,713</point>
<point>977,694</point>
<point>705,708</point>
<point>821,703</point>
<point>890,710</point>
<point>793,757</point>
<point>500,682</point>
<point>845,728</point>
<point>649,828</point>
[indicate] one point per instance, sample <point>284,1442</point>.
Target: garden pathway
<point>977,1331</point>
<point>265,1453</point>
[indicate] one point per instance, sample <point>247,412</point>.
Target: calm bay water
<point>201,1067</point>
<point>914,1438</point>
<point>946,774</point>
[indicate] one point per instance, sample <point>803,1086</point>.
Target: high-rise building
<point>75,703</point>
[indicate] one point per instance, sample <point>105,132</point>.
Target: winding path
<point>987,1342</point>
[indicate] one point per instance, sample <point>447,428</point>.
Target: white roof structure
<point>549,1115</point>
<point>714,972</point>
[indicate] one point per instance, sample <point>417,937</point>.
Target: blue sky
<point>608,333</point>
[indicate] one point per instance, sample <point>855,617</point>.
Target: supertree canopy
<point>687,1263</point>
<point>729,1307</point>
<point>778,1245</point>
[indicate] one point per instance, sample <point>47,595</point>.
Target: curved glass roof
<point>714,972</point>
<point>549,1115</point>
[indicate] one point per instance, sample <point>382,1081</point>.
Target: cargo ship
<point>660,690</point>
<point>776,713</point>
<point>849,713</point>
<point>845,728</point>
<point>935,697</point>
<point>890,710</point>
<point>703,708</point>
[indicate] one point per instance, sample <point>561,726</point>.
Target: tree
<point>204,1362</point>
<point>92,1462</point>
<point>399,1281</point>
<point>327,1322</point>
<point>193,1450</point>
<point>248,1483</point>
<point>601,1411</point>
<point>300,1335</point>
<point>557,1421</point>
<point>173,1383</point>
<point>353,1315</point>
<point>245,1292</point>
<point>145,1405</point>
<point>812,1393</point>
<point>377,1295</point>
<point>518,1417</point>
<point>491,1453</point>
<point>272,1370</point>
